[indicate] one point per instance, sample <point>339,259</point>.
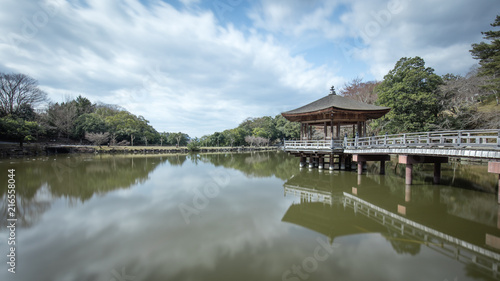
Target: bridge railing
<point>469,138</point>
<point>466,138</point>
<point>313,144</point>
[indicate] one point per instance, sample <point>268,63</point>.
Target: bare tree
<point>359,90</point>
<point>250,140</point>
<point>62,116</point>
<point>459,97</point>
<point>17,90</point>
<point>97,138</point>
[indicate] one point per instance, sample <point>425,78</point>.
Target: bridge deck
<point>473,143</point>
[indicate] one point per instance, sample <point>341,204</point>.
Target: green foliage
<point>410,89</point>
<point>18,129</point>
<point>178,139</point>
<point>265,128</point>
<point>194,145</point>
<point>488,55</point>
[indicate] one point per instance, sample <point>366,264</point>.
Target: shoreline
<point>35,149</point>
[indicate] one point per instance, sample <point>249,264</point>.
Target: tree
<point>410,89</point>
<point>89,123</point>
<point>18,129</point>
<point>63,116</point>
<point>17,90</point>
<point>97,138</point>
<point>459,97</point>
<point>488,55</point>
<point>361,91</point>
<point>179,139</point>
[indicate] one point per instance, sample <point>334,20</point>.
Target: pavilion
<point>330,112</point>
<point>334,111</point>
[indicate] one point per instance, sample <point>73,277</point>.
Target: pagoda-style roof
<point>336,107</point>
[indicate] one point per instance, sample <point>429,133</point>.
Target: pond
<point>249,216</point>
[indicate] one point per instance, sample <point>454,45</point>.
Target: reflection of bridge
<point>311,213</point>
<point>412,148</point>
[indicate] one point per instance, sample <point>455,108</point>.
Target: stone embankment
<point>38,150</point>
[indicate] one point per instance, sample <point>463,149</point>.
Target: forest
<point>420,100</point>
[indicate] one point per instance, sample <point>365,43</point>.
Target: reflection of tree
<point>177,160</point>
<point>256,164</point>
<point>401,244</point>
<point>75,177</point>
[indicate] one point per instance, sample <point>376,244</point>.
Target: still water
<point>253,216</point>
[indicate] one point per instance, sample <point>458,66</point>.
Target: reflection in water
<point>77,178</point>
<point>421,216</point>
<point>90,217</point>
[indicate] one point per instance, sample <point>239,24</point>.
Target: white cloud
<point>179,69</point>
<point>185,70</point>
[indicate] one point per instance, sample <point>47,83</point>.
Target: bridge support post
<point>302,161</point>
<point>360,167</point>
<point>321,163</point>
<point>494,168</point>
<point>437,173</point>
<point>311,162</point>
<point>363,158</point>
<point>409,172</point>
<point>332,158</point>
<point>382,167</point>
<point>409,160</point>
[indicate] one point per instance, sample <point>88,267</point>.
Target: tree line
<point>77,120</point>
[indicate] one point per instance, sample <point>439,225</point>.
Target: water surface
<point>253,216</point>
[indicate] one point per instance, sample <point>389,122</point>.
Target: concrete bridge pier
<point>494,167</point>
<point>410,160</point>
<point>363,158</point>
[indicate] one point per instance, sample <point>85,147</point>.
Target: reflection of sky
<point>238,236</point>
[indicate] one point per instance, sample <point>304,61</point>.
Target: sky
<point>200,66</point>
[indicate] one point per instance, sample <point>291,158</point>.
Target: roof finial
<point>332,91</point>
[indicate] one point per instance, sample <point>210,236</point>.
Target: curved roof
<point>336,102</point>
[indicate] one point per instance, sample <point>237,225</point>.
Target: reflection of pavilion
<point>337,213</point>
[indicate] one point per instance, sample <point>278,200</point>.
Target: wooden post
<point>311,162</point>
<point>332,157</point>
<point>325,131</point>
<point>437,173</point>
<point>321,162</point>
<point>409,171</point>
<point>338,130</point>
<point>302,161</point>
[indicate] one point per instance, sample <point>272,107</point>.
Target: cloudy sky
<point>201,66</point>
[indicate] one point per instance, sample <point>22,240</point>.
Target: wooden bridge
<point>411,148</point>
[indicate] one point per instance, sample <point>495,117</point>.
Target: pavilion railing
<point>457,139</point>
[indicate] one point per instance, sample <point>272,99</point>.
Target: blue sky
<point>203,66</point>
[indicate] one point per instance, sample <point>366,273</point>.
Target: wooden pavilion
<point>334,111</point>
<point>330,112</point>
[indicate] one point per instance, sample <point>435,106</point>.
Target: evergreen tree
<point>488,55</point>
<point>410,90</point>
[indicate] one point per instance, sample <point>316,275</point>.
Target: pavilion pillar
<point>325,130</point>
<point>353,130</point>
<point>331,127</point>
<point>364,128</point>
<point>338,130</point>
<point>332,158</point>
